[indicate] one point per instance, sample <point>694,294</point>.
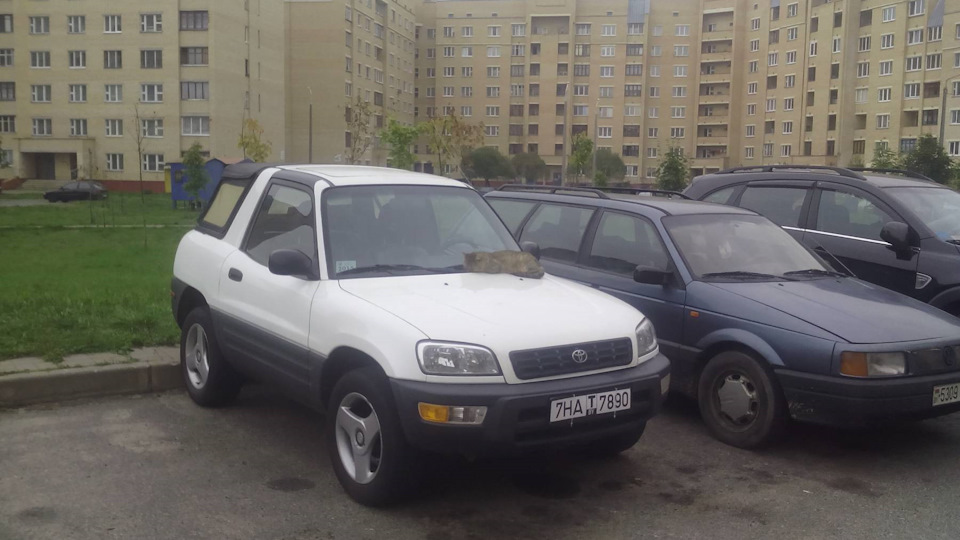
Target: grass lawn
<point>117,209</point>
<point>65,291</point>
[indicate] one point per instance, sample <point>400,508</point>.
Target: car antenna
<point>834,257</point>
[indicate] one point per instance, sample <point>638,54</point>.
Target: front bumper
<point>837,401</point>
<point>518,414</point>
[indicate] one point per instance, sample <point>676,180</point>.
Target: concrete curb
<point>95,381</point>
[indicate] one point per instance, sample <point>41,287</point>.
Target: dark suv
<point>893,228</point>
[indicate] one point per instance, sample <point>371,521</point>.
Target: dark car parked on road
<point>77,191</point>
<point>758,330</point>
<point>893,228</point>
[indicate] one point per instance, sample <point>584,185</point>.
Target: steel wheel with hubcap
<point>368,450</point>
<point>740,401</point>
<point>209,379</point>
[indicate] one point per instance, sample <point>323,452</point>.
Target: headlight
<point>873,364</point>
<point>437,358</point>
<point>646,338</point>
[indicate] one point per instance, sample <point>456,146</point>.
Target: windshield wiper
<point>954,241</point>
<point>741,274</point>
<point>814,272</point>
<point>392,268</point>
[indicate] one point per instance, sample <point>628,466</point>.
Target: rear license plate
<point>948,393</point>
<point>589,405</point>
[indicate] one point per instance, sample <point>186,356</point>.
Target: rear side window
<point>624,242</point>
<point>558,230</point>
<point>223,205</point>
<point>781,205</point>
<point>511,212</point>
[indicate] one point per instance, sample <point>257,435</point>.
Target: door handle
<point>235,274</point>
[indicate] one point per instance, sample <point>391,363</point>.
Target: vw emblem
<point>579,356</point>
<point>949,356</point>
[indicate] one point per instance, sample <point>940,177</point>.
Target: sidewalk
<point>25,381</point>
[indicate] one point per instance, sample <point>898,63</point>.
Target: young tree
<point>672,173</point>
<point>600,178</point>
<point>400,138</point>
<point>580,156</point>
<point>3,157</point>
<point>487,162</point>
<point>252,141</point>
<point>360,126</point>
<point>530,166</point>
<point>885,158</point>
<point>197,176</point>
<point>464,137</point>
<point>856,162</point>
<point>610,164</point>
<point>930,159</point>
<point>451,138</point>
<point>139,135</point>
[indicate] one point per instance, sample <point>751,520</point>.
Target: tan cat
<point>518,263</point>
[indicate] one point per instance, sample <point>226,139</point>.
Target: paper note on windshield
<point>343,266</point>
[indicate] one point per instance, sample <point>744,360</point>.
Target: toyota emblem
<point>579,356</point>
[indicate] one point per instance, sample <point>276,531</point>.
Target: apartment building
<point>336,53</point>
<point>730,82</point>
<point>80,80</point>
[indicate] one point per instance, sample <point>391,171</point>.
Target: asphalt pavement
<point>157,466</point>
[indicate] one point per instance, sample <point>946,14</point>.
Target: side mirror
<point>651,276</point>
<point>532,248</point>
<point>291,262</point>
<point>897,234</point>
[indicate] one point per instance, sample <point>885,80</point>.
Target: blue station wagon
<point>757,327</point>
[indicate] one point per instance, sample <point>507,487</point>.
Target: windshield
<point>737,247</point>
<point>937,208</point>
<point>407,230</point>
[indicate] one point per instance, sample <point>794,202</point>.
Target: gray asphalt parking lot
<point>157,466</point>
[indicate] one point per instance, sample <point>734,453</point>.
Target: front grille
<point>933,361</point>
<point>551,361</point>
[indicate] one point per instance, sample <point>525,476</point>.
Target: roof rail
<point>849,173</point>
<point>624,189</point>
<point>553,189</point>
<point>902,172</point>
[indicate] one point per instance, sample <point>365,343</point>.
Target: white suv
<point>345,286</point>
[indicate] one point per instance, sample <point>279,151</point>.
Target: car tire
<point>749,413</point>
<point>613,445</point>
<point>210,380</point>
<point>368,450</point>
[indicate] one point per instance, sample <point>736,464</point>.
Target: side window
<point>511,212</point>
<point>780,205</point>
<point>721,196</point>
<point>558,231</point>
<point>624,242</point>
<point>225,202</point>
<point>284,221</point>
<point>850,215</point>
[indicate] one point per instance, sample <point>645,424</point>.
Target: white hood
<point>500,311</point>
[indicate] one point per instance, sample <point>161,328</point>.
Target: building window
<point>883,94</point>
<point>493,111</point>
<point>8,123</point>
<point>914,36</point>
<point>754,45</point>
<point>916,7</point>
<point>493,91</point>
<point>151,22</point>
<point>752,88</point>
<point>112,59</point>
<point>151,59</point>
<point>151,127</point>
<point>954,148</point>
<point>114,162</point>
<point>792,33</point>
<point>785,150</point>
<point>493,52</point>
<point>883,121</point>
<point>77,59</point>
<point>196,20</point>
<point>491,131</point>
<point>934,61</point>
<point>78,93</point>
<point>40,25</point>
<point>678,112</point>
<point>114,127</point>
<point>677,132</point>
<point>914,63</point>
<point>787,128</point>
<point>682,30</point>
<point>76,24</point>
<point>195,125</point>
<point>680,71</point>
<point>911,90</point>
<point>493,31</point>
<point>39,59</point>
<point>681,50</point>
<point>111,24</point>
<point>518,29</point>
<point>152,163</point>
<point>42,127</point>
<point>151,93</point>
<point>888,14</point>
<point>863,69</point>
<point>6,23</point>
<point>755,23</point>
<point>40,93</point>
<point>772,59</point>
<point>78,127</point>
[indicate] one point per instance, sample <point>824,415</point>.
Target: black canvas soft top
<point>245,171</point>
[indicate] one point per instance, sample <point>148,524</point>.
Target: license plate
<point>948,393</point>
<point>589,405</point>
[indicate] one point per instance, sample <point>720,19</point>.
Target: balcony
<point>713,141</point>
<point>720,56</point>
<point>713,120</point>
<point>715,162</point>
<point>714,99</point>
<point>721,35</point>
<point>706,78</point>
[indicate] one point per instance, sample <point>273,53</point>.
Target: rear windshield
<point>223,205</point>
